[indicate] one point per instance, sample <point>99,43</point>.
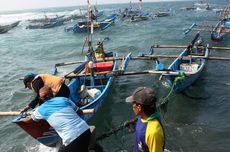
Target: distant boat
<point>202,5</point>
<point>188,8</point>
<point>138,18</point>
<point>45,19</point>
<point>84,26</point>
<point>161,14</point>
<point>47,24</point>
<point>6,28</point>
<point>134,15</point>
<point>220,30</point>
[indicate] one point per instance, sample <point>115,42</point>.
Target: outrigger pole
<point>147,57</point>
<point>16,113</point>
<point>184,46</point>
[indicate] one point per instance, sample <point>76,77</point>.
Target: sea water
<point>197,120</point>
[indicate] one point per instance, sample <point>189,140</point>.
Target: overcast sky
<point>31,4</point>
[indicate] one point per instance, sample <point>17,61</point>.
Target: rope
<point>164,100</point>
<point>127,124</point>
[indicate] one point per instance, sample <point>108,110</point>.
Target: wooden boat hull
<point>181,85</point>
<point>44,133</point>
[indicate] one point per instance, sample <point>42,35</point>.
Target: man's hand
<point>79,111</point>
<point>28,118</point>
<point>24,109</point>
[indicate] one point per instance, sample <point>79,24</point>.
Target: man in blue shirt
<point>60,113</point>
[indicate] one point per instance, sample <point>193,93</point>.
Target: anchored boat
<point>82,27</point>
<point>184,63</point>
<point>6,28</point>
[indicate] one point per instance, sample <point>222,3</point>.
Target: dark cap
<point>144,96</point>
<point>28,78</point>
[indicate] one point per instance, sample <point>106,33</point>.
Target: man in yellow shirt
<point>149,130</point>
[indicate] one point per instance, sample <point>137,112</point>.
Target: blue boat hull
<point>44,133</point>
<point>180,85</point>
<point>218,31</point>
<point>101,25</point>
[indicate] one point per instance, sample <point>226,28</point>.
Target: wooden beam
<point>77,62</point>
<point>184,46</point>
<point>16,113</point>
<point>151,57</point>
<point>119,73</point>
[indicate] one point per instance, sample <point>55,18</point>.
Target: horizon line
<point>37,8</point>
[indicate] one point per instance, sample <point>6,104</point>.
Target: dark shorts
<point>64,91</point>
<point>80,144</point>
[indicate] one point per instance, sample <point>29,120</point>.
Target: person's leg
<point>64,91</point>
<point>83,141</point>
<point>80,144</point>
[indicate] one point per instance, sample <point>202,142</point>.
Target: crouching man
<point>60,113</point>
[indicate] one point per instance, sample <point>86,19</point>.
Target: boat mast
<point>140,7</point>
<point>90,54</point>
<point>90,32</point>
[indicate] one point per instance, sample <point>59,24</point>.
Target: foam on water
<point>41,148</point>
<point>9,18</point>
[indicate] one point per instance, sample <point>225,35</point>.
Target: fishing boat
<point>221,29</point>
<point>86,91</point>
<point>46,24</point>
<point>138,18</point>
<point>84,26</point>
<point>161,14</point>
<point>6,28</point>
<point>218,31</point>
<point>134,15</point>
<point>186,64</point>
<point>45,19</point>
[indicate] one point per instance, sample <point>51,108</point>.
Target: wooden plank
<point>151,57</point>
<point>119,73</point>
<point>184,46</point>
<point>77,62</point>
<point>16,113</point>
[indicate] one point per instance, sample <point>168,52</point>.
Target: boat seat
<point>189,67</point>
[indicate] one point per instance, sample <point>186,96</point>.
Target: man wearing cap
<point>99,51</point>
<point>36,82</point>
<point>72,129</point>
<point>149,130</point>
